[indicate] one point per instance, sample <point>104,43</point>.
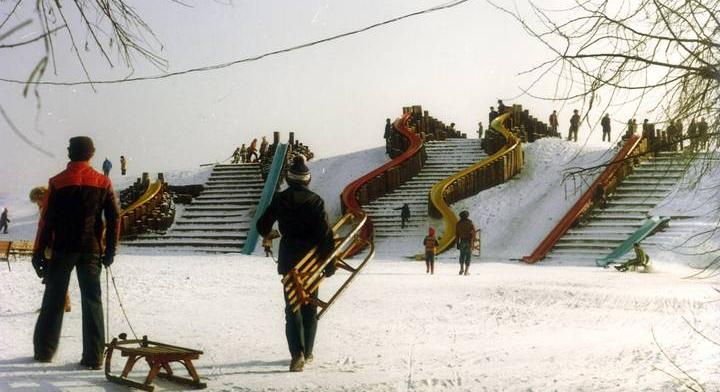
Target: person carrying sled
<point>465,232</point>
<point>641,260</point>
<point>303,225</point>
<point>431,244</point>
<point>4,220</point>
<point>81,206</point>
<point>107,165</point>
<point>404,214</point>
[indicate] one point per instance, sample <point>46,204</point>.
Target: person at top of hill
<point>263,146</point>
<point>106,167</point>
<point>493,115</point>
<point>574,126</point>
<point>236,156</point>
<point>501,107</point>
<point>404,214</point>
<point>431,244</point>
<point>123,165</point>
<point>81,223</point>
<point>4,220</point>
<point>605,123</point>
<point>252,152</point>
<point>703,133</point>
<point>553,121</point>
<point>303,225</point>
<point>465,232</point>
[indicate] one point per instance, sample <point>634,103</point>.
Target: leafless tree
<point>110,29</point>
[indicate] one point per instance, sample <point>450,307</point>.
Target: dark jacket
<point>404,211</point>
<point>4,217</point>
<point>605,122</point>
<point>78,199</point>
<point>465,230</point>
<point>302,221</point>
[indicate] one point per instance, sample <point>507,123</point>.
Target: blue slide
<point>267,195</point>
<point>647,228</point>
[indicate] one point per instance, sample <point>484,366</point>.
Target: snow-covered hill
<point>506,327</point>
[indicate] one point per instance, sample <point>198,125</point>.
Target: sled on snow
<point>648,228</point>
<point>158,357</point>
<point>305,278</point>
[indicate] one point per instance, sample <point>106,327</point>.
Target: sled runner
<point>158,357</point>
<point>305,278</point>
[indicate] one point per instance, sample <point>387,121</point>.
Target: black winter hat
<point>464,214</point>
<point>81,148</point>
<point>298,171</point>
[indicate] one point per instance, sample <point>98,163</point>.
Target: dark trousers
<point>403,219</point>
<point>572,134</point>
<point>430,261</point>
<point>49,323</point>
<point>608,135</point>
<point>4,227</point>
<point>300,327</point>
<point>465,253</point>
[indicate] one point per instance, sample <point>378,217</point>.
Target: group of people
<point>107,166</point>
<point>467,239</point>
<point>554,123</point>
<point>251,153</point>
<point>697,134</point>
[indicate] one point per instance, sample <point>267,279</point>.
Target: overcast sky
<point>335,96</point>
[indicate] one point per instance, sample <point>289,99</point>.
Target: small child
<point>431,244</point>
<point>267,244</point>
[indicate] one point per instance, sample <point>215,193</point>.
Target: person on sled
<point>641,260</point>
<point>303,225</point>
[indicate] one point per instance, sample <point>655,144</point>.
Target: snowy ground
<point>508,326</point>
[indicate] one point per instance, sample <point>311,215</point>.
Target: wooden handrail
<point>610,174</point>
<point>351,198</point>
<point>493,170</point>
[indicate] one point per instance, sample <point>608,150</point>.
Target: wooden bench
<point>5,252</point>
<point>158,356</point>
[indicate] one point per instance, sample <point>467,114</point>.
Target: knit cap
<point>298,171</point>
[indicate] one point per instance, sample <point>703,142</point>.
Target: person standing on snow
<point>107,165</point>
<point>605,123</point>
<point>4,220</point>
<point>431,244</point>
<point>574,126</point>
<point>303,225</point>
<point>81,206</point>
<point>123,165</point>
<point>553,121</point>
<point>465,232</point>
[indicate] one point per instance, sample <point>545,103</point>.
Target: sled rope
<point>122,307</point>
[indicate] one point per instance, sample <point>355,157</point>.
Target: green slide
<point>267,195</point>
<point>647,228</point>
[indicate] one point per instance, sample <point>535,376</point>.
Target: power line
<point>444,6</point>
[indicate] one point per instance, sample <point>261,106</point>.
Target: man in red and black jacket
<point>72,226</point>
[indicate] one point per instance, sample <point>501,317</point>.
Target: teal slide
<point>267,195</point>
<point>648,227</point>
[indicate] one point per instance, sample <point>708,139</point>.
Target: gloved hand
<point>330,269</point>
<point>39,263</point>
<point>108,259</point>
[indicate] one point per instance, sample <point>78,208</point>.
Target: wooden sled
<point>305,278</point>
<point>158,356</point>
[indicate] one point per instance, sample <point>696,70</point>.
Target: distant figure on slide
<point>107,165</point>
<point>605,123</point>
<point>252,152</point>
<point>404,214</point>
<point>4,220</point>
<point>302,221</point>
<point>123,165</point>
<point>554,123</point>
<point>641,260</point>
<point>431,244</point>
<point>574,126</point>
<point>465,232</point>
